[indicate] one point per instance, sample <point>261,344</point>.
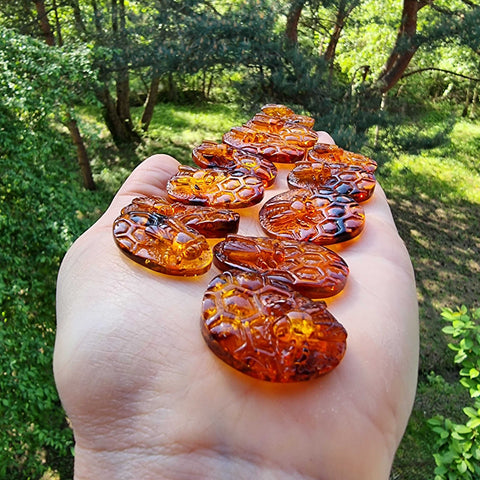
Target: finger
<point>324,137</point>
<point>149,178</point>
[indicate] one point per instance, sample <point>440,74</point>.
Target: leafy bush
<point>42,210</point>
<point>458,455</point>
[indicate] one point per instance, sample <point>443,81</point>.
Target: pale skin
<point>147,399</point>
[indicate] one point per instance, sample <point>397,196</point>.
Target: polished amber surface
<point>310,269</point>
<point>277,110</point>
<point>266,330</point>
<point>290,132</point>
<point>287,114</point>
<point>215,188</point>
<point>162,243</point>
<point>317,216</point>
<point>344,179</point>
<point>268,145</point>
<point>334,154</point>
<point>209,221</point>
<point>220,155</point>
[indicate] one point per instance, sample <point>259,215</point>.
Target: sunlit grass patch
<point>448,172</point>
<point>177,129</point>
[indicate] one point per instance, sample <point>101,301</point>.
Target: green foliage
<point>42,209</point>
<point>38,81</point>
<point>458,455</point>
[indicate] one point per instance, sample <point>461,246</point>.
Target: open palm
<point>148,400</point>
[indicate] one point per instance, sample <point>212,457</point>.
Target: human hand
<point>147,399</point>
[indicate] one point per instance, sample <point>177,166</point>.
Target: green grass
<point>176,129</point>
<point>434,194</point>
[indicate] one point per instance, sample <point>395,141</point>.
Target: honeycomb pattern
<point>265,330</point>
<point>313,270</point>
<point>292,133</point>
<point>162,244</point>
<point>334,154</point>
<point>268,145</point>
<point>287,114</point>
<point>208,221</point>
<point>221,155</point>
<point>215,188</point>
<point>344,179</point>
<point>321,216</point>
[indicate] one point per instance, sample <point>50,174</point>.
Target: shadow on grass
<point>442,235</point>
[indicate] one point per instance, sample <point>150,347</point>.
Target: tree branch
<point>420,70</point>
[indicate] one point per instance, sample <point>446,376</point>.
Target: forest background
<point>89,88</point>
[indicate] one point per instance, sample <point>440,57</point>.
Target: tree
<point>44,22</point>
<point>112,59</point>
<point>405,46</point>
<point>293,19</point>
<point>344,10</point>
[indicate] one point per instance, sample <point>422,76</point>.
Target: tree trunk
<point>58,28</point>
<point>44,23</point>
<point>96,16</point>
<point>123,96</point>
<point>123,76</point>
<point>405,46</point>
<point>474,102</point>
<point>120,133</point>
<point>466,104</point>
<point>76,136</point>
<point>343,12</point>
<point>77,16</point>
<point>82,156</point>
<point>293,18</point>
<point>150,103</point>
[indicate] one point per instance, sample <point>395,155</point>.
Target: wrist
<point>174,465</point>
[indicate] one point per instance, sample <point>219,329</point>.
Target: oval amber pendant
<point>264,329</point>
<point>313,270</point>
<point>316,216</point>
<point>162,244</point>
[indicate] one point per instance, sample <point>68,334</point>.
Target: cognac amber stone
<point>268,145</point>
<point>162,243</point>
<point>291,133</point>
<point>215,188</point>
<point>310,269</point>
<point>344,179</point>
<point>287,114</point>
<point>209,221</point>
<point>277,110</point>
<point>220,155</point>
<point>318,216</point>
<point>334,154</point>
<point>266,330</point>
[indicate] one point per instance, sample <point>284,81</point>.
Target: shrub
<point>458,455</point>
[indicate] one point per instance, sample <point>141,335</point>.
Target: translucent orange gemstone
<point>320,216</point>
<point>334,154</point>
<point>344,179</point>
<point>290,132</point>
<point>264,329</point>
<point>162,244</point>
<point>310,269</point>
<point>221,155</point>
<point>209,221</point>
<point>215,188</point>
<point>277,110</point>
<point>287,114</point>
<point>268,145</point>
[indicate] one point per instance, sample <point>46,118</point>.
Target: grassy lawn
<point>434,195</point>
<point>435,198</point>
